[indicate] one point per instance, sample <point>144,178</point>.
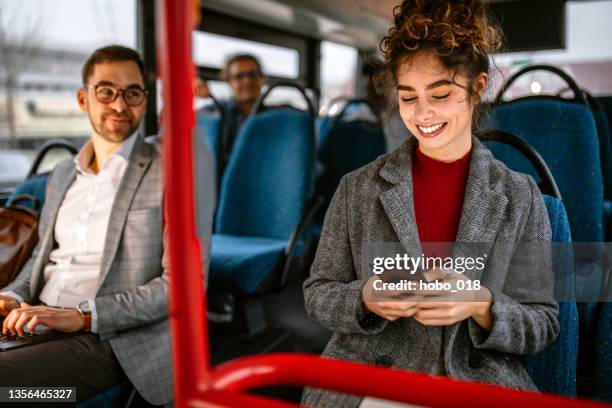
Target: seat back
<point>34,186</point>
<point>605,146</point>
<point>603,367</point>
<point>269,175</point>
<point>554,369</point>
<point>349,140</point>
<point>347,145</point>
<point>323,124</point>
<point>209,128</point>
<point>560,131</point>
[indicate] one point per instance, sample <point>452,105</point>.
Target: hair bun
<point>448,26</point>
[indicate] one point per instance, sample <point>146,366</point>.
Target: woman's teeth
<point>430,129</point>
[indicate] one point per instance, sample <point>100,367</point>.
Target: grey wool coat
<point>501,210</point>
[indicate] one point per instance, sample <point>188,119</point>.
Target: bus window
<point>338,71</point>
<point>220,89</point>
<point>44,46</point>
<point>587,56</point>
<point>211,50</point>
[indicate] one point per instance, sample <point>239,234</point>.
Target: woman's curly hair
<point>460,32</point>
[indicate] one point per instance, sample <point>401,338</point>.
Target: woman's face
<point>435,110</point>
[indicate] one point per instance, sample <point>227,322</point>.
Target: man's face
<point>113,121</point>
<point>246,80</point>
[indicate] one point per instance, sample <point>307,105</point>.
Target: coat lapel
<point>483,210</point>
<point>397,201</point>
<point>140,160</point>
<point>65,175</point>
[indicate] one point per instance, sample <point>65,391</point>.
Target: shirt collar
<point>83,158</point>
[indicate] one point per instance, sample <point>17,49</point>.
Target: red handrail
<point>187,295</point>
<point>360,379</point>
<point>195,383</point>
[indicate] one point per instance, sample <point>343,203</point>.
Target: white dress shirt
<point>73,272</point>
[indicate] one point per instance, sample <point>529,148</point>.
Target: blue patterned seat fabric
<point>264,191</point>
<point>345,146</point>
<point>605,146</point>
<point>348,146</point>
<point>208,130</point>
<point>243,259</point>
<point>554,369</point>
<point>116,396</point>
<point>34,186</point>
<point>565,135</point>
<point>603,368</point>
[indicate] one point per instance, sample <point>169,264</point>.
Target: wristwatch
<point>84,309</point>
<point>85,312</point>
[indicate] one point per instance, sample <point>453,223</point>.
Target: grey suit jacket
<point>132,302</point>
<point>501,210</point>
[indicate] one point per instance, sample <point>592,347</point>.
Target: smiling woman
<point>441,186</point>
<point>446,51</point>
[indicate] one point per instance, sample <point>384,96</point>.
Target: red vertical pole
<point>187,297</point>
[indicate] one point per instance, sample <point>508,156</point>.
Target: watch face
<point>84,307</point>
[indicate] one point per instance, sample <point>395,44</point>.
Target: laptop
<point>42,334</point>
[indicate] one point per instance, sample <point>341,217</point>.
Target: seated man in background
<point>99,267</point>
<point>244,75</point>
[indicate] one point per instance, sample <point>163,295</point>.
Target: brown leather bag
<point>18,237</point>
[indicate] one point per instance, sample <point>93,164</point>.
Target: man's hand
<point>63,320</point>
<point>7,304</point>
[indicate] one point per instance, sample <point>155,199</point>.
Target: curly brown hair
<point>460,32</point>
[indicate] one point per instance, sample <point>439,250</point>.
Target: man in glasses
<point>99,268</point>
<point>244,75</point>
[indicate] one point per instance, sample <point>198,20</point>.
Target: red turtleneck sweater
<point>439,190</point>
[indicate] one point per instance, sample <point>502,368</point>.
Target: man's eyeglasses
<point>132,95</point>
<point>254,74</point>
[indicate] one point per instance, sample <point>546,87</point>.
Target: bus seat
<point>554,369</point>
<point>349,106</point>
<point>117,396</point>
<point>207,147</point>
<point>323,124</point>
<point>603,365</point>
<point>243,261</point>
<point>263,197</point>
<point>605,142</point>
<point>209,128</point>
<point>605,145</point>
<point>34,186</point>
<point>559,130</point>
<point>348,145</point>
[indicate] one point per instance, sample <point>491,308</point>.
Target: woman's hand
<point>448,307</point>
<point>390,305</point>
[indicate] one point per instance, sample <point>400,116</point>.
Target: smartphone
<point>398,275</point>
